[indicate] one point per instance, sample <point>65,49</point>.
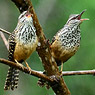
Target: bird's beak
<point>79,16</point>
<point>29,15</point>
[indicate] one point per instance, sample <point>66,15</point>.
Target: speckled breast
<point>26,41</point>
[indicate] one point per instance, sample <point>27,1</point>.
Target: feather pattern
<point>22,42</point>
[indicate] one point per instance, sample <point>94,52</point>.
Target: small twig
<point>25,69</point>
<point>85,72</point>
<point>4,31</point>
<point>4,40</point>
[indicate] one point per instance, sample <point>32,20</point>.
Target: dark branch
<point>45,54</point>
<point>43,48</point>
<point>25,69</point>
<point>43,51</point>
<point>40,74</point>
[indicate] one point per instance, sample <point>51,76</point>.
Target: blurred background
<point>52,15</point>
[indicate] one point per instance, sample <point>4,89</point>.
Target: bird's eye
<point>26,14</point>
<point>74,17</point>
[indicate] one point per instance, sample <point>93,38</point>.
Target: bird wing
<point>55,36</point>
<point>12,45</point>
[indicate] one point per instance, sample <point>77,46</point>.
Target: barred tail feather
<point>12,79</point>
<point>8,79</point>
<point>15,79</point>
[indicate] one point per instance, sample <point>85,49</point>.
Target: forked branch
<point>65,73</point>
<point>40,74</point>
<point>43,49</point>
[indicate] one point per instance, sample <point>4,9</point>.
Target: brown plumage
<point>22,42</point>
<point>67,41</point>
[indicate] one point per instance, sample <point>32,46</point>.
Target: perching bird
<point>22,42</point>
<point>67,40</point>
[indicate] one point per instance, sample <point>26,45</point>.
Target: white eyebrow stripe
<point>22,14</point>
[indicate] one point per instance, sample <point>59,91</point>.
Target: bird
<point>22,43</point>
<point>66,41</point>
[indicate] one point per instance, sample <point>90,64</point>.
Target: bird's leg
<point>61,68</point>
<point>27,66</point>
<point>18,63</point>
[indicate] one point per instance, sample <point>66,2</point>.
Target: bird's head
<point>75,19</point>
<point>26,16</point>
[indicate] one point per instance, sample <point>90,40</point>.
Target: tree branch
<point>25,69</point>
<point>65,73</point>
<point>4,31</point>
<point>84,72</point>
<point>40,74</point>
<point>43,49</point>
<point>4,40</point>
<point>45,54</point>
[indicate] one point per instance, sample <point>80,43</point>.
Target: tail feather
<point>15,79</point>
<point>12,79</point>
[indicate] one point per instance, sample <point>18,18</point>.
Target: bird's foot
<point>61,69</point>
<point>28,66</point>
<point>19,64</point>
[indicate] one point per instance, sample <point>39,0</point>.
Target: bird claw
<point>29,70</point>
<point>61,69</point>
<point>19,64</point>
<point>28,66</point>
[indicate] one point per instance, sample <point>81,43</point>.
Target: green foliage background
<point>52,15</point>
